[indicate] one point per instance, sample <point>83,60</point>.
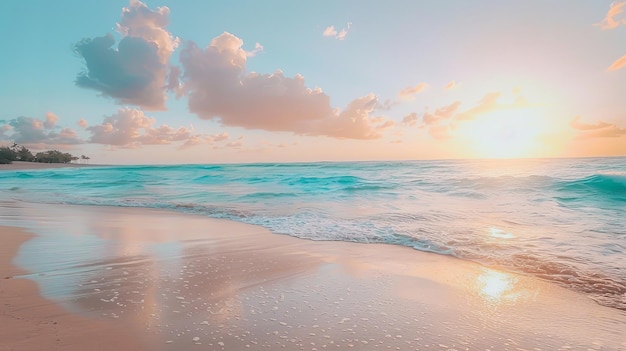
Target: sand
<point>30,322</point>
<point>184,282</point>
<point>19,165</point>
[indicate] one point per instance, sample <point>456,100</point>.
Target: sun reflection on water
<point>499,233</point>
<point>497,287</point>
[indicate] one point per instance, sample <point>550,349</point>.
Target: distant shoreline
<point>21,165</point>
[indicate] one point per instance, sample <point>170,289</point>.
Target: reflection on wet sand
<point>181,280</point>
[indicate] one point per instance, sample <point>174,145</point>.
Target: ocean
<point>562,220</point>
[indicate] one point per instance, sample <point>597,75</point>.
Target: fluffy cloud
<point>598,130</point>
<point>218,87</point>
<point>50,121</point>
<point>135,72</point>
<point>609,22</point>
<point>409,92</point>
<point>131,128</point>
<point>332,32</point>
<point>619,63</point>
<point>38,133</point>
<point>354,122</point>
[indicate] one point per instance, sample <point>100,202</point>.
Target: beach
<point>147,279</point>
<point>20,165</point>
<point>31,322</point>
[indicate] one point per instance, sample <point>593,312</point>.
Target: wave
<point>446,207</point>
<point>611,183</point>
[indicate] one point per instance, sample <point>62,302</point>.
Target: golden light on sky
<point>132,82</point>
<point>506,134</point>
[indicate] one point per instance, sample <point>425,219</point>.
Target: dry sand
<point>185,282</point>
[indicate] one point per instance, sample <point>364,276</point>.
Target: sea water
<point>563,220</point>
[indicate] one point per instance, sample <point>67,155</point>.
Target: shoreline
<point>31,322</point>
<point>172,278</point>
<point>24,166</point>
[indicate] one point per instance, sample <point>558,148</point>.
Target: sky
<point>161,82</point>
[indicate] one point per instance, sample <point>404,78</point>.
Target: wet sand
<point>19,165</point>
<point>30,322</point>
<point>184,282</point>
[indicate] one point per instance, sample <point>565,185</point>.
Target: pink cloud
<point>598,130</point>
<point>451,85</point>
<point>39,133</point>
<point>131,128</point>
<point>135,71</point>
<point>409,92</point>
<point>218,87</point>
<point>619,63</point>
<point>609,21</point>
<point>330,31</point>
<point>443,121</point>
<point>257,49</point>
<point>411,119</point>
<point>51,120</point>
<point>489,103</point>
<point>82,123</point>
<point>440,114</point>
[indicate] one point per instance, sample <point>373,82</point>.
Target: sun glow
<point>505,134</point>
<point>497,287</point>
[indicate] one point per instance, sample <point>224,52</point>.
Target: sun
<point>504,134</point>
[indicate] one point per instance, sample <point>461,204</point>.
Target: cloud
<point>451,85</point>
<point>257,49</point>
<point>598,130</point>
<point>443,121</point>
<point>218,87</point>
<point>134,72</point>
<point>51,120</point>
<point>173,81</point>
<point>440,114</point>
<point>38,133</point>
<point>609,22</point>
<point>489,103</point>
<point>131,128</point>
<point>620,63</point>
<point>82,123</point>
<point>4,130</point>
<point>409,92</point>
<point>354,122</point>
<point>330,31</point>
<point>411,119</point>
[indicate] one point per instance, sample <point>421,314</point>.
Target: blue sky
<point>518,72</point>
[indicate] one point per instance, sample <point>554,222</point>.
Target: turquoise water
<point>563,220</point>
